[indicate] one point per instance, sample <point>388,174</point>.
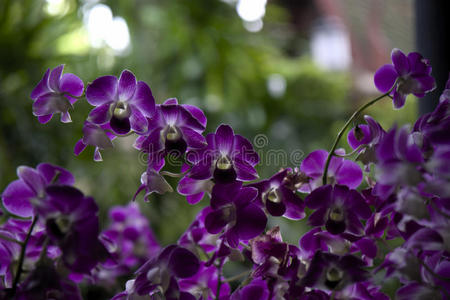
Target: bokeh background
<point>290,70</point>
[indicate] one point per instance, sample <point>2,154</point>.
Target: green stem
<point>170,174</point>
<point>238,276</point>
<point>342,131</point>
<point>43,253</point>
<point>22,255</point>
<point>219,279</point>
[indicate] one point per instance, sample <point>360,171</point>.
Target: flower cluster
<point>396,188</point>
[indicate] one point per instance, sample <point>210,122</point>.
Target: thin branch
<point>22,255</point>
<point>342,131</point>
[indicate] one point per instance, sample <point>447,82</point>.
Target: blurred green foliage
<point>197,51</point>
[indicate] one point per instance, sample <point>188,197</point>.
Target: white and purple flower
<point>56,93</point>
<point>122,102</point>
<point>410,74</point>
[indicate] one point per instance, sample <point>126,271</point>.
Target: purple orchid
<point>316,239</point>
<point>433,283</point>
<point>340,171</point>
<point>72,223</point>
<point>153,182</point>
<point>235,212</point>
<point>226,158</point>
<point>257,289</point>
<point>276,196</point>
<point>18,196</point>
<point>99,136</point>
<point>56,93</point>
<point>16,230</point>
<point>131,241</point>
<point>268,253</point>
<point>435,126</point>
<point>197,236</point>
<point>445,96</point>
<point>338,208</point>
<point>45,282</point>
<point>410,74</point>
<point>193,189</point>
<point>366,138</point>
<point>399,159</point>
<point>123,103</point>
<point>365,290</point>
<point>159,274</point>
<point>203,285</point>
<point>174,129</point>
<point>424,275</point>
<point>333,272</point>
<point>275,259</point>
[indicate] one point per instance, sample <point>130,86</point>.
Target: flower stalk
<point>22,255</point>
<point>344,128</point>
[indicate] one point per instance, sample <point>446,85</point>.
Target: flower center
<point>59,226</point>
<point>331,179</point>
<point>173,133</point>
<point>333,277</point>
<point>336,214</point>
<point>272,196</point>
<point>406,85</point>
<point>359,134</point>
<point>121,110</point>
<point>223,163</point>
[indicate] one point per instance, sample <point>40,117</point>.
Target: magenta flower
<point>235,213</point>
<point>17,229</point>
<point>399,159</point>
<point>131,239</point>
<point>410,74</point>
<point>72,223</point>
<point>226,158</point>
<point>193,189</point>
<point>340,171</point>
<point>203,285</point>
<point>273,258</point>
<point>174,129</point>
<point>99,136</point>
<point>124,103</point>
<point>365,138</point>
<point>197,236</point>
<point>19,194</point>
<point>435,126</point>
<point>339,208</point>
<point>333,272</point>
<point>153,182</point>
<point>257,289</point>
<point>161,275</point>
<point>369,134</point>
<point>45,281</point>
<point>277,198</point>
<point>56,93</point>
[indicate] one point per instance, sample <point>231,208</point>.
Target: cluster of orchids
<point>384,214</point>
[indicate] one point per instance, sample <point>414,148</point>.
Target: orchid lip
<point>333,277</point>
